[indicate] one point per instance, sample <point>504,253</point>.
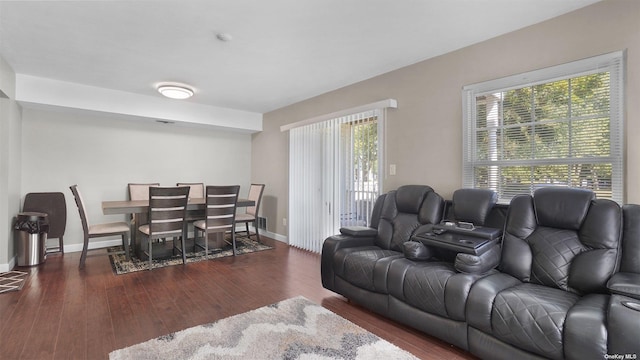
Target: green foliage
<point>365,149</point>
<point>557,122</point>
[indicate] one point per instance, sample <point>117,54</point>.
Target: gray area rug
<point>291,329</point>
<point>120,265</point>
<point>12,281</point>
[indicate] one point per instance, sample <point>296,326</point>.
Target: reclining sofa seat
<point>355,263</point>
<point>431,295</point>
<point>559,248</point>
<point>623,317</point>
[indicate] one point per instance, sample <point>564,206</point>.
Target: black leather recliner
<point>431,295</point>
<point>356,262</point>
<point>560,247</point>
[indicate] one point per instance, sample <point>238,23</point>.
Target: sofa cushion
<point>424,286</point>
<point>360,266</point>
<point>553,251</point>
<point>531,317</point>
<point>473,205</point>
<point>559,208</point>
<point>409,198</point>
<point>405,210</point>
<point>416,251</point>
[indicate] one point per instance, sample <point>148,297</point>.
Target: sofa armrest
<point>482,298</point>
<point>358,231</point>
<point>478,264</point>
<point>624,283</point>
<point>329,248</point>
<point>623,325</point>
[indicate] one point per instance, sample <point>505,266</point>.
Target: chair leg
<point>184,252</point>
<point>233,242</point>
<point>150,253</point>
<point>195,239</point>
<point>125,243</point>
<point>246,224</point>
<point>85,247</point>
<point>255,226</point>
<point>205,236</point>
<point>60,244</point>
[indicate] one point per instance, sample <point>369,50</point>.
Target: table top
<point>141,206</point>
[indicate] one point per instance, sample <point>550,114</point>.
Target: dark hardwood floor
<point>66,313</point>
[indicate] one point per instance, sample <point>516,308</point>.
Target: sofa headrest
<point>473,205</point>
<point>410,197</point>
<point>562,207</point>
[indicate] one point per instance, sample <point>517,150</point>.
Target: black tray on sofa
<point>456,242</point>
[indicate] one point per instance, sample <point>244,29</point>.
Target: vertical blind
<point>335,175</point>
<point>560,126</point>
<point>313,156</point>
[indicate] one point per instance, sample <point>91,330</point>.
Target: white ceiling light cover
<point>175,91</point>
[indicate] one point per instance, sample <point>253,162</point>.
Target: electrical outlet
<point>284,221</point>
<point>392,169</point>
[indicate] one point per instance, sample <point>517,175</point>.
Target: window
<point>335,172</point>
<point>560,126</point>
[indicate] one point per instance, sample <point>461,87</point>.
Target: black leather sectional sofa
<point>563,280</point>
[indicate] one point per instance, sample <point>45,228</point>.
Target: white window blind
<point>335,175</point>
<point>560,126</point>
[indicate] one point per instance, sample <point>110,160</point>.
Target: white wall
<point>10,159</point>
<point>102,154</point>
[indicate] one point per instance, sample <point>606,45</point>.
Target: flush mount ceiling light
<point>175,91</point>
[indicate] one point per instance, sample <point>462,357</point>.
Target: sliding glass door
<point>334,176</point>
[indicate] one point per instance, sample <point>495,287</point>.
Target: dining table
<point>195,209</point>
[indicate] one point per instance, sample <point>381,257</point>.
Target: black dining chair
<point>167,213</point>
<point>221,202</point>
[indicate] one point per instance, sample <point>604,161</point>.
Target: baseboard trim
<point>69,248</point>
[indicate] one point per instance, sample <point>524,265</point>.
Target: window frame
<point>614,63</point>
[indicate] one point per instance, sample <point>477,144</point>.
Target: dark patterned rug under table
<point>291,329</point>
<point>121,266</point>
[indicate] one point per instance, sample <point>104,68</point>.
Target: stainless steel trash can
<point>31,237</point>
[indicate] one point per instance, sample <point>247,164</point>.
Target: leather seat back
<point>404,210</point>
<point>473,205</point>
<point>562,238</point>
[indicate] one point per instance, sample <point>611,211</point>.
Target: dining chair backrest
<point>167,211</point>
<point>221,207</point>
<point>81,209</point>
<point>197,189</point>
<point>140,191</point>
<point>255,194</point>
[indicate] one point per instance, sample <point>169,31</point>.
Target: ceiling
<point>281,52</point>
